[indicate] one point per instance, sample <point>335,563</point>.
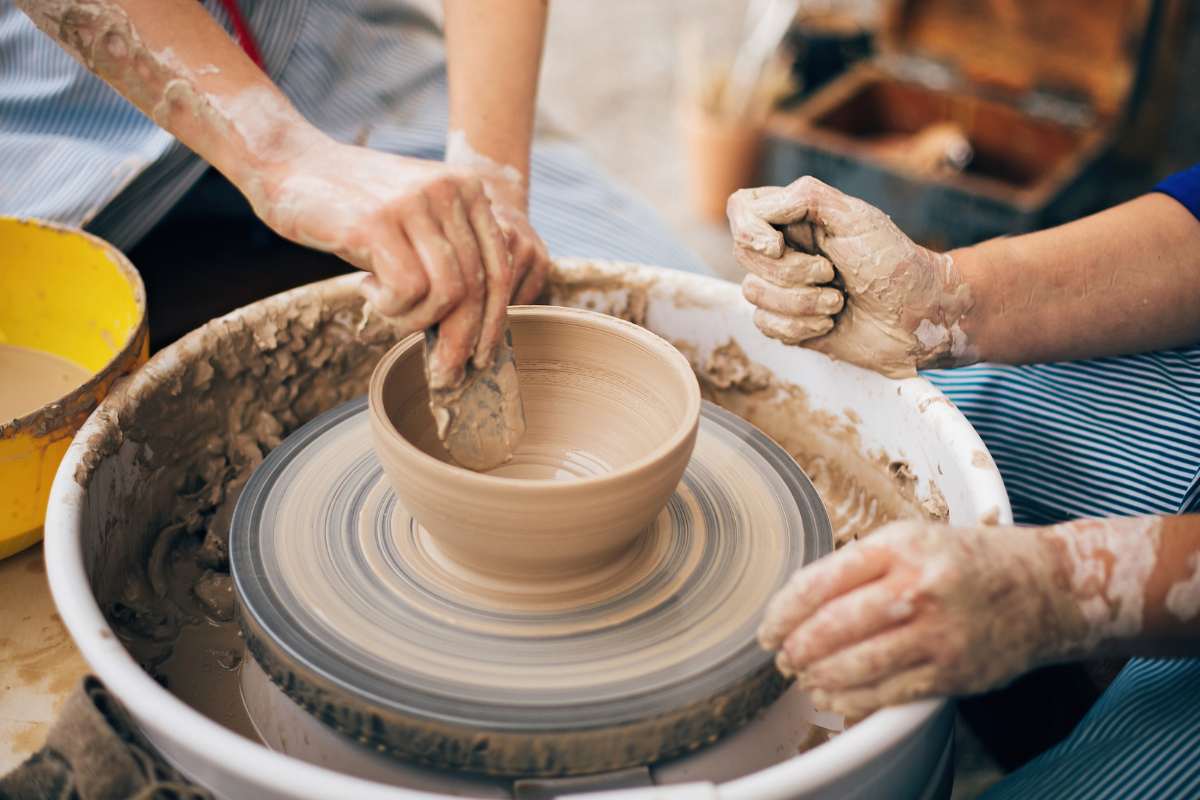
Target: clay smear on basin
<point>30,379</point>
<point>611,416</point>
<point>862,489</point>
<point>233,390</point>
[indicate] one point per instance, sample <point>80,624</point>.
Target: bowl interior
<point>599,395</point>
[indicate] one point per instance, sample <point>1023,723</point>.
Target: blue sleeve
<point>1184,187</point>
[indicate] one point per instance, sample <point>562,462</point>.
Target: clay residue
<point>480,420</point>
<point>904,305</point>
<point>199,418</point>
<point>178,441</point>
<point>599,287</point>
<point>861,490</point>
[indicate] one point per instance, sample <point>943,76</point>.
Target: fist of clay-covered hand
<point>834,273</point>
<point>425,231</point>
<point>917,610</point>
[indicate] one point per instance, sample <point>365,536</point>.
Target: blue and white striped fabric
<point>1140,740</point>
<point>1109,437</point>
<point>73,151</point>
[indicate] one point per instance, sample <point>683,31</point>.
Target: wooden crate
<point>1040,90</point>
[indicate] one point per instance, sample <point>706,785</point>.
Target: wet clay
<point>480,420</point>
<point>30,379</point>
<point>202,416</point>
<point>861,490</point>
<point>611,414</point>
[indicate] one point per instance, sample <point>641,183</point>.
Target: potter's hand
<point>899,304</point>
<point>506,187</point>
<point>917,609</point>
<point>425,231</point>
<point>530,258</point>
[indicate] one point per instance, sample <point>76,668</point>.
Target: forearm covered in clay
<point>426,231</point>
<point>1125,280</point>
<point>172,60</point>
<point>1136,582</point>
<point>918,610</point>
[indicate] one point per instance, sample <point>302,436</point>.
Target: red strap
<point>242,32</point>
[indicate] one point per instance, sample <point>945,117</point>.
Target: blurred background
<point>963,119</point>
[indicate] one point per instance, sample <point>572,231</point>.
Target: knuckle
<point>442,189</point>
<point>751,289</point>
<point>471,185</point>
<point>806,185</point>
<point>419,282</point>
<point>831,301</point>
<point>448,294</point>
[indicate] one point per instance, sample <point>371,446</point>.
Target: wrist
<point>1102,569</point>
<point>942,340</point>
<point>266,157</point>
<point>506,182</point>
<point>973,270</point>
<point>960,306</point>
<point>1066,633</point>
<point>264,180</point>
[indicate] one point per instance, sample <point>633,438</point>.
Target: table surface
<point>39,665</point>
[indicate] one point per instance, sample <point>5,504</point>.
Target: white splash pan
<point>899,752</point>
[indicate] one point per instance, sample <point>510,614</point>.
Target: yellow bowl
<point>76,296</point>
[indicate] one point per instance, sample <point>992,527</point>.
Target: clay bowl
<point>611,412</point>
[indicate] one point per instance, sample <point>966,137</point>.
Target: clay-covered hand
<point>425,230</point>
<point>530,258</point>
<point>508,190</point>
<point>834,273</point>
<point>918,610</point>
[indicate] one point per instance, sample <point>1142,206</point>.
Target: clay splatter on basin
<point>204,415</point>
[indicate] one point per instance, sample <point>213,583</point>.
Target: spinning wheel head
<point>359,615</point>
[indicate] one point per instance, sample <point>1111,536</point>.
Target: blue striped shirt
<point>373,71</point>
<point>74,151</point>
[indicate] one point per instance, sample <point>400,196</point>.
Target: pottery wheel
<point>351,608</point>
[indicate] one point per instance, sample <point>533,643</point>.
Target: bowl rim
<point>138,333</point>
<point>628,331</point>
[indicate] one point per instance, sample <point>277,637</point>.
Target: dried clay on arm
<point>918,610</point>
